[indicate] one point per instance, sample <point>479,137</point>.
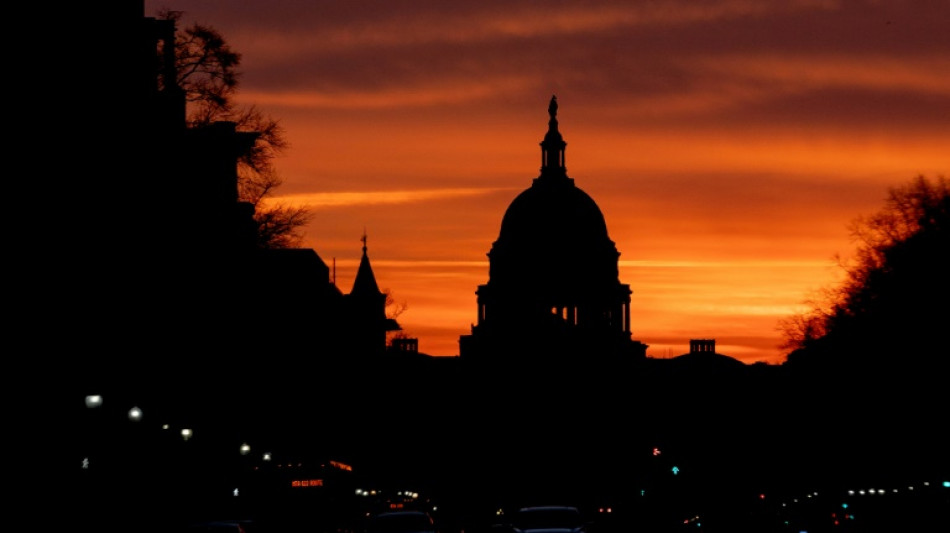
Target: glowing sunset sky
<point>728,143</point>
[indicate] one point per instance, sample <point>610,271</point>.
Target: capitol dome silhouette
<point>553,232</point>
<point>553,287</point>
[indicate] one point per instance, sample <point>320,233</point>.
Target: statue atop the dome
<point>552,107</point>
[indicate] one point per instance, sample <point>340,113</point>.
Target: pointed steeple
<point>552,147</point>
<point>365,282</point>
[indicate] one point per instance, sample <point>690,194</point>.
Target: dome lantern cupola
<point>552,148</point>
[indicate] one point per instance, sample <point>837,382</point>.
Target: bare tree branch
<point>208,73</point>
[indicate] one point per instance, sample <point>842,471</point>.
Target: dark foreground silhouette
<point>201,331</point>
<point>472,440</point>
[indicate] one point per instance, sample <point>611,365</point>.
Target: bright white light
<point>245,449</point>
<point>186,433</point>
<point>93,401</point>
<point>236,492</point>
<point>851,493</point>
<point>135,414</point>
<point>267,456</point>
<point>164,426</point>
<point>85,463</point>
<point>861,492</point>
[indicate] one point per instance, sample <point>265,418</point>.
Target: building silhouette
<point>366,309</point>
<point>553,288</point>
<point>193,273</point>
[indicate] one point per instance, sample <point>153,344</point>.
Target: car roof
<point>395,514</point>
<point>547,517</point>
<point>401,522</point>
<point>215,525</point>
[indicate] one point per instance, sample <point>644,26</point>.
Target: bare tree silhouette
<point>207,72</point>
<point>394,308</point>
<point>892,299</point>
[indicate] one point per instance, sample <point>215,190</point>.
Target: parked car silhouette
<point>401,522</point>
<point>548,519</point>
<point>221,526</point>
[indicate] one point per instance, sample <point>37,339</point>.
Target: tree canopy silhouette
<point>207,72</point>
<point>891,306</point>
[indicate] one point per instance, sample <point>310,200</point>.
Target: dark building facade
<point>366,308</point>
<point>190,271</point>
<point>553,288</point>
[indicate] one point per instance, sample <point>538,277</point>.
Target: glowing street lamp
<point>135,414</point>
<point>245,449</point>
<point>186,434</point>
<point>93,401</point>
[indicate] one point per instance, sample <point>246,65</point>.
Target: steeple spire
<point>365,282</point>
<point>552,147</point>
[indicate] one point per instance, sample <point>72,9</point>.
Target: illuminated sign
<point>306,483</point>
<point>341,466</point>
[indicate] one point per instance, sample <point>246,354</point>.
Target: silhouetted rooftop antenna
<point>363,238</point>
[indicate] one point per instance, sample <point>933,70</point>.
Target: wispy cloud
<point>520,20</point>
<point>358,198</point>
<point>410,264</point>
<point>723,264</point>
<point>411,94</point>
<point>928,74</point>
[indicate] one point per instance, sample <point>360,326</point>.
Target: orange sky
<point>728,143</point>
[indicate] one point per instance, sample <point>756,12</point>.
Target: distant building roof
<point>365,282</point>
